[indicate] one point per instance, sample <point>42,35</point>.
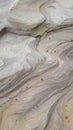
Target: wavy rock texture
<point>36,65</point>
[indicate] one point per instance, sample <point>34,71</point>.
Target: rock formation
<point>36,65</point>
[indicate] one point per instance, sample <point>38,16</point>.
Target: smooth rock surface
<point>36,65</point>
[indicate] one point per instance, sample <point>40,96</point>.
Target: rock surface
<point>36,65</point>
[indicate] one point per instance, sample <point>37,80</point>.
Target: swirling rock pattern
<point>36,65</point>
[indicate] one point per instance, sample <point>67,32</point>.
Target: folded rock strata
<point>36,65</point>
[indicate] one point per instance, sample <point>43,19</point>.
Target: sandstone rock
<point>36,65</point>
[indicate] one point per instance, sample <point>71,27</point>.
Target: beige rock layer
<point>36,73</point>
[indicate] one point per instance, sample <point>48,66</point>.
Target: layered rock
<point>36,65</point>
